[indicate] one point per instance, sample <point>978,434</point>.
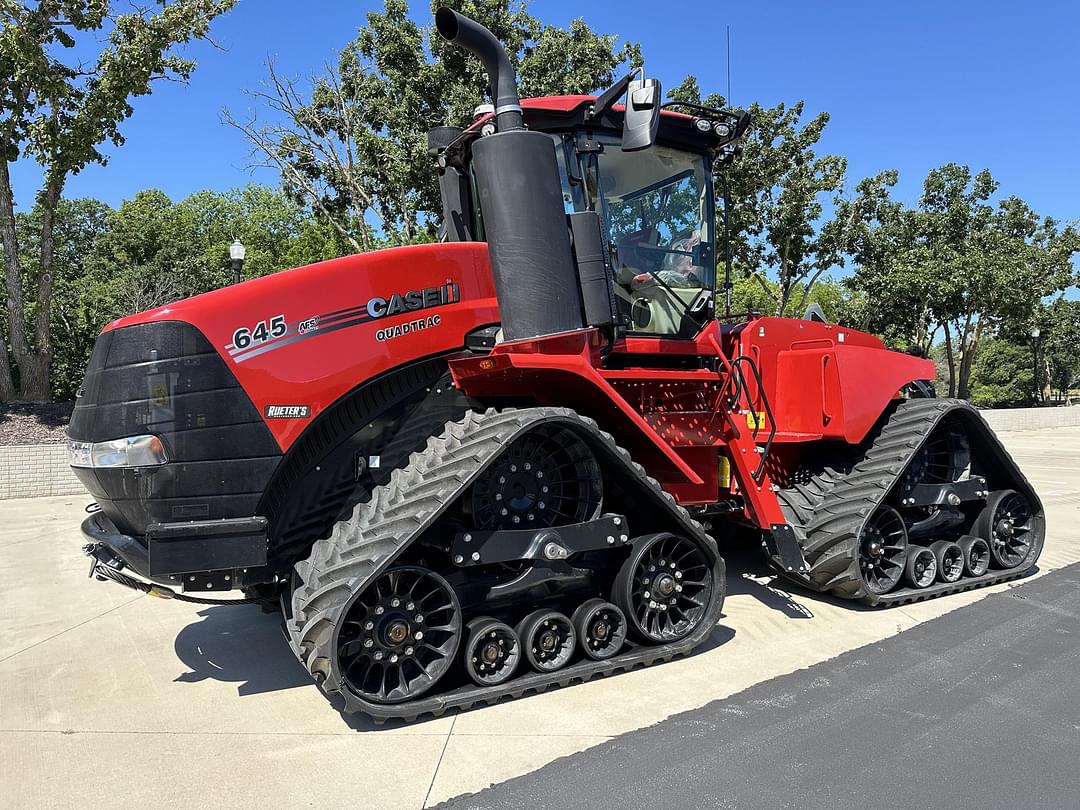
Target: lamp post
<point>237,252</point>
<point>1035,333</point>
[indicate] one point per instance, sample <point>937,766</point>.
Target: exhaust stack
<point>480,42</point>
<point>521,202</point>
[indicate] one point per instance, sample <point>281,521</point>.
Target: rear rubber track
<point>362,546</point>
<point>829,510</point>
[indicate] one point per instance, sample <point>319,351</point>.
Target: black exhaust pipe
<point>480,42</point>
<point>521,202</point>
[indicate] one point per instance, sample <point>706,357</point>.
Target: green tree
<point>155,251</point>
<point>1002,374</point>
<point>957,262</point>
<point>1059,342</point>
<point>354,146</point>
<point>779,185</point>
<point>78,224</point>
<point>749,295</point>
<point>59,113</point>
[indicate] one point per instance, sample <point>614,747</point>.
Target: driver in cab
<point>677,272</point>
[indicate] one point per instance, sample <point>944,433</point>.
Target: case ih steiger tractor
<point>484,467</point>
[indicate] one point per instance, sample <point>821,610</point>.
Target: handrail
<point>735,376</point>
<point>759,473</point>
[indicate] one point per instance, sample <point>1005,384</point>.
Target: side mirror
<point>642,118</point>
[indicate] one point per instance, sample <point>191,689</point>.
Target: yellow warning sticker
<point>159,393</point>
<point>755,421</point>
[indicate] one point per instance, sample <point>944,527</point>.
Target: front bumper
<point>216,555</point>
<point>130,551</point>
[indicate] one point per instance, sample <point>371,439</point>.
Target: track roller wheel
<point>664,586</point>
<point>399,635</point>
<point>1006,523</point>
<point>976,555</point>
<point>950,560</point>
<point>548,639</point>
<point>600,628</point>
<point>492,651</point>
<point>921,566</point>
<point>883,550</point>
<point>547,477</point>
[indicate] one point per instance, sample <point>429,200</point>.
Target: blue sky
<point>909,85</point>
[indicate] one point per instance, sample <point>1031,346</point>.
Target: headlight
<point>134,451</point>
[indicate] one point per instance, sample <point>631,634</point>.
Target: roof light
<point>721,129</point>
<point>702,124</point>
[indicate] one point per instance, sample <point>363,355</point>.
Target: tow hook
<point>100,555</point>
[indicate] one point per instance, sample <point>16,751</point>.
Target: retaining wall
<point>1032,418</point>
<point>30,471</point>
<point>37,470</point>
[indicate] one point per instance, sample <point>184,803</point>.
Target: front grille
<point>165,378</point>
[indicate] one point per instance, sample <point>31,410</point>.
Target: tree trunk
<point>950,359</point>
<point>10,244</point>
<point>34,378</point>
<point>968,346</point>
<point>34,382</point>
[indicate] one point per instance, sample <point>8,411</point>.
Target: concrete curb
<point>37,470</point>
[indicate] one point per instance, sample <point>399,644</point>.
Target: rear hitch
<point>100,556</point>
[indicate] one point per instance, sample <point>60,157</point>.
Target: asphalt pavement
<point>977,709</point>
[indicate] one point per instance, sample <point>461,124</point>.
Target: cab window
<point>657,207</point>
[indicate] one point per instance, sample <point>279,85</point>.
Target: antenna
<point>728,34</point>
<point>728,281</point>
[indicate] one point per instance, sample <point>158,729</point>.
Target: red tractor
<point>504,462</point>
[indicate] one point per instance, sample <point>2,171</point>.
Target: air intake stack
<point>521,202</point>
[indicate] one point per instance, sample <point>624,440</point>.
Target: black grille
<point>165,378</point>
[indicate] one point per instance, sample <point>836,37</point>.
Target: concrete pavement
<point>108,698</point>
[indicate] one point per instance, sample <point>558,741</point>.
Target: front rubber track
<point>380,529</point>
<point>829,509</point>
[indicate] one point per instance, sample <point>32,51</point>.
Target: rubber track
<point>829,512</point>
<point>379,530</point>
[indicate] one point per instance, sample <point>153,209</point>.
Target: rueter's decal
<point>275,332</point>
<point>287,411</point>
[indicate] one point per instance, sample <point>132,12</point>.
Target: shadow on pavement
<point>239,644</point>
<point>744,565</point>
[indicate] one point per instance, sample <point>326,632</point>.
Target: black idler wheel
<point>399,635</point>
<point>883,550</point>
<point>950,560</point>
<point>548,638</point>
<point>548,477</point>
<point>664,587</point>
<point>600,627</point>
<point>945,457</point>
<point>921,568</point>
<point>1006,524</point>
<point>976,555</point>
<point>492,651</point>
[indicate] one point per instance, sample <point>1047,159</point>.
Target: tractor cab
<point>652,197</point>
